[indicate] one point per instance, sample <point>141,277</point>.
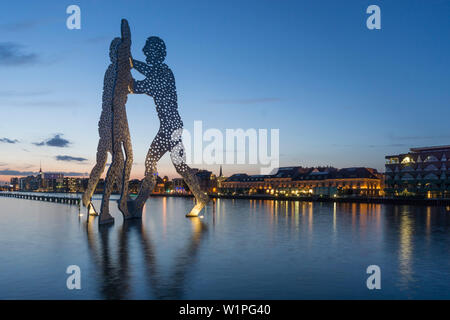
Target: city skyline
<point>341,95</point>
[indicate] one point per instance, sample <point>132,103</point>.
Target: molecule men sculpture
<point>159,83</point>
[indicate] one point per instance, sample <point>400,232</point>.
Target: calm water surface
<point>241,249</point>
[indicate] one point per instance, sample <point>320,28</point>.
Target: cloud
<point>11,55</point>
<point>390,145</point>
<point>6,140</point>
<point>32,99</point>
<point>75,174</point>
<point>70,158</point>
<point>22,25</point>
<point>98,39</point>
<point>245,101</point>
<point>393,145</point>
<point>56,141</point>
<point>38,103</point>
<point>14,93</point>
<point>418,137</point>
<point>28,166</point>
<point>8,172</point>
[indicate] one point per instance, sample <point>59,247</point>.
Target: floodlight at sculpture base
<point>191,215</point>
<point>196,210</point>
<point>91,210</point>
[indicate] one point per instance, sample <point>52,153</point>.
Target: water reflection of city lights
<point>406,247</point>
<point>334,216</point>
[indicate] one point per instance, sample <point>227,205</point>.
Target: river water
<point>240,249</point>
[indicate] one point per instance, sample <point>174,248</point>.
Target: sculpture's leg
<point>119,177</point>
<point>125,178</point>
<point>111,177</point>
<point>102,156</point>
<point>177,156</point>
<point>120,100</point>
<point>147,186</point>
<point>157,149</point>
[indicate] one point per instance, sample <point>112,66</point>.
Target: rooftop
<point>422,149</point>
<point>299,173</point>
<point>436,148</point>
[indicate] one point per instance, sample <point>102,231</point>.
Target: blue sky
<point>340,94</point>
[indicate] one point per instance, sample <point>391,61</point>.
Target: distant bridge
<point>43,197</point>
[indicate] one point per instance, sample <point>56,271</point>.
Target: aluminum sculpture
<point>159,83</point>
<point>113,130</point>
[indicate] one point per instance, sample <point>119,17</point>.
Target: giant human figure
<point>159,83</point>
<point>113,129</point>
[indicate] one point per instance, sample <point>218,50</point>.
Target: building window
<point>431,176</point>
<point>407,160</point>
<point>407,168</point>
<point>431,167</point>
<point>407,177</point>
<point>431,158</point>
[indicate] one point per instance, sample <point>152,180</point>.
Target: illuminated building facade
<point>30,183</point>
<point>422,172</point>
<point>178,185</point>
<point>71,185</point>
<point>134,185</point>
<point>220,179</point>
<point>206,179</point>
<point>53,182</point>
<point>14,184</point>
<point>299,181</point>
<point>160,185</point>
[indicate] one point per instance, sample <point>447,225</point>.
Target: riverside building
<point>422,172</point>
<point>299,181</point>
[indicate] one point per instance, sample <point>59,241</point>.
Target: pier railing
<point>67,199</point>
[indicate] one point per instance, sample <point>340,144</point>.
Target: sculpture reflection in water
<point>114,266</point>
<point>159,83</point>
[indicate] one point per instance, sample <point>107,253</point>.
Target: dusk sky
<point>339,93</point>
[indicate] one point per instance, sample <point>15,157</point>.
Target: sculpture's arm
<point>125,32</point>
<point>139,87</point>
<point>141,67</point>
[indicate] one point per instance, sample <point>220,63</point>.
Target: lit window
<point>406,160</point>
<point>431,158</point>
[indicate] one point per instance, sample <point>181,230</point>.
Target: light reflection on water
<point>241,249</point>
<point>406,250</point>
